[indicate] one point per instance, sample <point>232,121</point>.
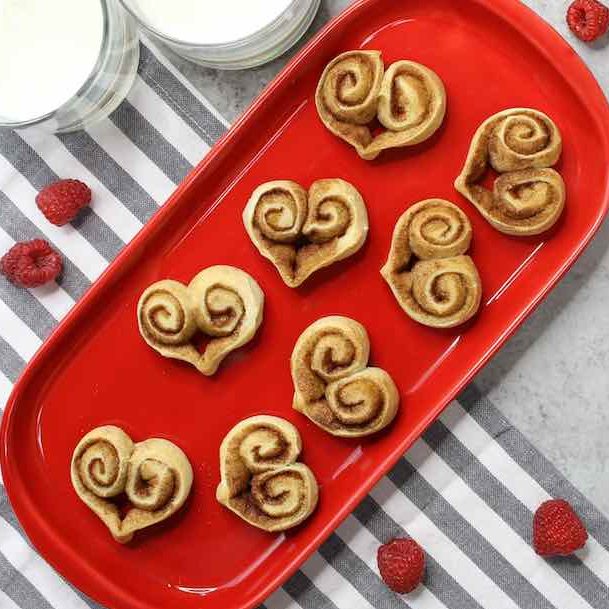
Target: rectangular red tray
<point>95,369</point>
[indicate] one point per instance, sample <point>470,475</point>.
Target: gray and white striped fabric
<point>466,491</point>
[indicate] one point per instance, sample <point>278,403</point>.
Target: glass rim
<point>237,44</point>
<point>88,81</point>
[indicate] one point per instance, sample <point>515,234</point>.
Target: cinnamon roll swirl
<point>99,468</point>
<point>166,320</point>
<point>333,385</point>
<point>260,480</point>
<point>442,293</point>
<point>408,100</point>
<point>302,232</point>
<point>521,144</point>
<point>443,288</point>
<point>412,105</point>
<point>228,306</point>
<point>222,302</point>
<point>155,475</point>
<point>159,482</point>
<point>347,96</point>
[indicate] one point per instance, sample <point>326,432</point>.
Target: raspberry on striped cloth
<point>61,201</point>
<point>31,263</point>
<point>401,564</point>
<point>557,530</point>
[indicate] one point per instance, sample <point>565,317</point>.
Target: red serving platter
<point>95,369</point>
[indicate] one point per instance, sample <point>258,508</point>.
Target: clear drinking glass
<point>107,84</point>
<point>256,49</point>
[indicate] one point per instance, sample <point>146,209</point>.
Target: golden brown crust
<point>408,99</point>
<point>333,385</point>
<point>223,302</point>
<point>302,232</point>
<point>155,475</point>
<point>521,144</point>
<point>443,288</point>
<point>260,480</point>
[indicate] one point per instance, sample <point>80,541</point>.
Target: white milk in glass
<point>48,50</point>
<point>209,21</point>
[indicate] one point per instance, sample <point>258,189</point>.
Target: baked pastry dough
<point>408,100</point>
<point>260,480</point>
<point>302,232</point>
<point>442,289</point>
<point>521,144</point>
<point>155,475</point>
<point>222,302</point>
<point>333,384</point>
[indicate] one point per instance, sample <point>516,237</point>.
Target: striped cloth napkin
<point>466,491</point>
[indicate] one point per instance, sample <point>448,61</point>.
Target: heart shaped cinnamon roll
<point>222,302</point>
<point>521,144</point>
<point>442,289</point>
<point>154,475</point>
<point>333,385</point>
<point>260,480</point>
<point>302,232</point>
<point>408,100</point>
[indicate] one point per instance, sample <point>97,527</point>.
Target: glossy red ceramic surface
<point>95,369</point>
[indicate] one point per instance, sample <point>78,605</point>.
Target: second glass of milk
<point>64,63</point>
<point>226,34</point>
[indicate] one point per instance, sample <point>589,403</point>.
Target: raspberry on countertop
<point>588,19</point>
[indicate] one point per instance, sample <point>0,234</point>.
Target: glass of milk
<point>64,63</point>
<point>226,34</point>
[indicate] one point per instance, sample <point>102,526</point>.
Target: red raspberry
<point>557,531</point>
<point>588,19</point>
<point>31,263</point>
<point>401,564</point>
<point>62,200</point>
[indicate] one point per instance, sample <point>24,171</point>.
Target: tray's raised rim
<point>45,539</point>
